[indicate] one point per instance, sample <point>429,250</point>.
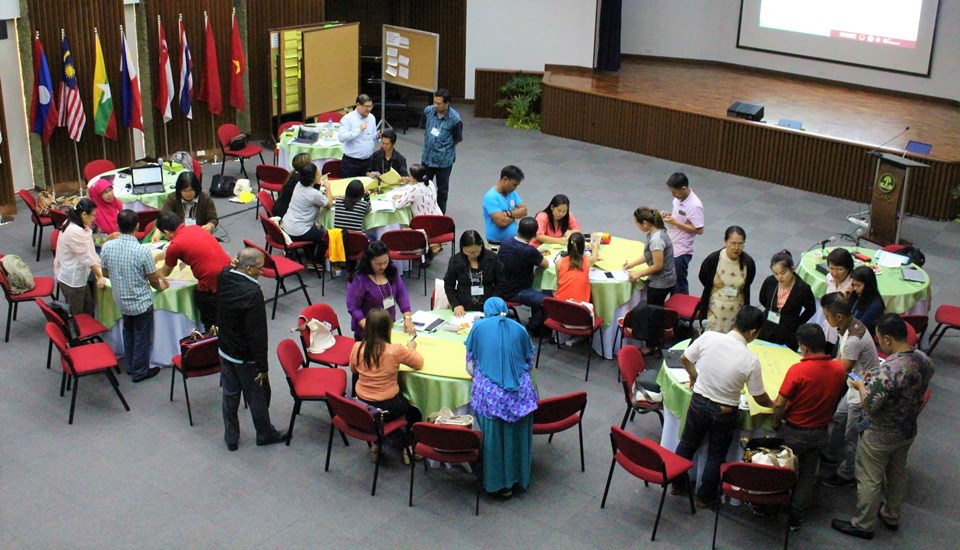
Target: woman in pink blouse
<point>76,258</point>
<point>555,223</point>
<point>421,197</point>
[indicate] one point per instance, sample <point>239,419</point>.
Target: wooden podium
<point>889,196</point>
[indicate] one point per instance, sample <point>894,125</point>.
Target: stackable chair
<point>273,236</point>
<point>408,245</point>
<point>560,413</point>
<point>631,364</point>
<point>439,229</point>
<point>89,329</point>
<point>225,133</point>
<point>43,288</point>
<point>560,315</point>
<point>947,317</point>
<point>202,359</point>
<point>279,268</point>
<point>280,131</point>
<point>265,200</point>
<point>307,384</point>
<point>448,444</point>
<point>757,484</point>
<point>94,168</point>
<point>270,178</point>
<point>331,168</point>
<point>339,354</point>
<point>39,222</point>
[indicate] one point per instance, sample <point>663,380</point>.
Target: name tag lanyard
<point>476,289</point>
<point>388,301</point>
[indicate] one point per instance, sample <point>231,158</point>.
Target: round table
<point>171,171</point>
<point>443,381</point>
<point>327,147</point>
<point>391,219</point>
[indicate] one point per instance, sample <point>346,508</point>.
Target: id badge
<point>189,221</point>
<point>729,291</point>
<point>435,132</point>
<point>389,302</point>
<point>476,290</point>
<point>773,317</point>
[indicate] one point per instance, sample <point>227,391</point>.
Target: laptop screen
<point>147,177</point>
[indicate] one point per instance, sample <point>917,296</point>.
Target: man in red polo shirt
<point>804,409</point>
<point>197,248</point>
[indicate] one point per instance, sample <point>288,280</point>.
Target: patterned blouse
<point>492,401</point>
<point>894,394</point>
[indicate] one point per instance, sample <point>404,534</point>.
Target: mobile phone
<point>413,338</point>
<point>854,376</point>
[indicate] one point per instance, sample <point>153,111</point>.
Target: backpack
<point>222,186</point>
<point>19,276</point>
<point>917,258</point>
<point>69,321</point>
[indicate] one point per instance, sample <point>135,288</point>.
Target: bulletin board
<point>411,57</point>
<point>330,76</point>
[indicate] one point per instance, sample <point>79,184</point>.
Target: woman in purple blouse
<point>376,283</point>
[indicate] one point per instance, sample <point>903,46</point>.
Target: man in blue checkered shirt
<point>132,272</point>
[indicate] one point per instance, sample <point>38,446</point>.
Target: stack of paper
<point>382,205</point>
<point>425,320</point>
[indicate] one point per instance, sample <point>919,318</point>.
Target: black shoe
<point>837,481</point>
<point>233,446</point>
<point>150,374</point>
<point>794,522</point>
<point>278,437</point>
<point>848,528</point>
<point>886,523</point>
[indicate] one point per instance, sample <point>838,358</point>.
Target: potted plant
<point>522,100</point>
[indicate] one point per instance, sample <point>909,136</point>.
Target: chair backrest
<point>331,168</point>
<point>434,225</point>
<point>288,352</point>
<point>330,116</point>
<point>54,240</point>
<point>147,216</point>
<point>912,338</point>
<point>926,399</point>
<point>31,203</point>
<point>452,439</point>
<point>268,261</point>
<point>198,169</point>
<point>204,355</point>
<point>355,244</point>
<point>630,362</point>
<point>286,126</point>
<point>918,322</point>
<point>353,413</point>
<point>567,313</point>
<point>96,167</point>
<point>758,477</point>
<point>560,407</point>
<point>60,342</point>
<point>3,279</point>
<point>272,231</point>
<point>269,173</point>
<point>226,132</point>
<point>58,217</point>
<point>267,202</point>
<point>685,305</point>
<point>321,312</point>
<point>893,248</point>
<point>403,240</point>
<point>642,452</point>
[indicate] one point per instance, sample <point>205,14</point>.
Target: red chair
<point>409,245</point>
<point>687,308</point>
<point>89,330</point>
<point>648,461</point>
<point>556,414</point>
<point>58,217</point>
<point>926,399</point>
<point>279,268</point>
<point>274,239</point>
<point>307,384</point>
<point>339,354</point>
<point>947,317</point>
<point>448,444</point>
<point>147,218</point>
<point>203,359</point>
<point>43,288</point>
<point>624,324</point>
<point>331,168</point>
<point>355,244</point>
<point>757,484</point>
<point>919,322</point>
<point>82,361</point>
<point>354,419</point>
<point>512,307</point>
<point>39,222</point>
<point>198,171</point>
<point>270,178</point>
<point>280,131</point>
<point>330,116</point>
<point>893,248</point>
<point>225,133</point>
<point>94,168</point>
<point>439,229</point>
<point>631,364</point>
<point>265,199</point>
<point>912,339</point>
<point>560,315</point>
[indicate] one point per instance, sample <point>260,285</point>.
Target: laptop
<point>913,275</point>
<point>672,358</point>
<point>918,148</point>
<point>790,123</point>
<point>147,179</point>
<point>307,136</point>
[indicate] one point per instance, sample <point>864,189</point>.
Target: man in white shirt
<point>683,224</point>
<point>360,138</point>
<point>719,366</point>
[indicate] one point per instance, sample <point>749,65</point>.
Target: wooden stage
<point>676,110</point>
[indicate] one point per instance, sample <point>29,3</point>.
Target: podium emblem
<point>887,183</point>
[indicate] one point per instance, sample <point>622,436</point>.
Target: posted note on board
<point>391,52</point>
<point>392,71</point>
<point>404,72</point>
<point>404,60</point>
<point>393,39</point>
<point>404,42</point>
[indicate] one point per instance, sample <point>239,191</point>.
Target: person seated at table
<point>198,249</point>
<point>787,300</point>
<point>387,158</point>
<point>500,359</point>
<point>300,219</point>
<point>519,261</point>
<point>803,411</point>
<point>719,365</point>
<point>190,204</point>
<point>726,276</point>
<point>421,197</point>
<point>573,271</point>
<point>865,296</point>
<point>349,210</point>
<point>286,192</point>
<point>555,223</point>
<point>502,206</point>
<point>473,275</point>
<point>108,208</point>
<point>376,283</point>
<point>661,276</point>
<point>377,362</point>
<point>839,267</point>
<point>76,258</point>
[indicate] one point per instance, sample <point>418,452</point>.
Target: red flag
<point>210,84</point>
<point>43,108</point>
<point>165,76</point>
<point>237,68</point>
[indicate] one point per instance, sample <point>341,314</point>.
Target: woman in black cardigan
<point>472,275</point>
<point>787,302</point>
<point>728,286</point>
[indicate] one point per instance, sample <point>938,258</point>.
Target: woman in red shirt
<point>555,223</point>
<point>573,271</point>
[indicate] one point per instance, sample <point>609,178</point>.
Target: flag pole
<point>166,140</point>
<point>213,123</point>
<point>76,157</point>
<point>46,150</point>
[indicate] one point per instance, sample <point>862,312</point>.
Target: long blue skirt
<point>506,452</point>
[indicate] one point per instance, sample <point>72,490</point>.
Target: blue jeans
<point>241,377</point>
<point>682,264</point>
<point>442,176</point>
<point>138,342</point>
<point>707,418</point>
<point>533,299</point>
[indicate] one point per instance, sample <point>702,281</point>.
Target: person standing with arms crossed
<point>684,222</point>
<point>359,136</point>
<point>444,130</point>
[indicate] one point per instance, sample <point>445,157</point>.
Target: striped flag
<point>104,123</point>
<point>210,91</point>
<point>71,106</point>
<point>165,92</point>
<point>186,74</point>
<point>132,111</point>
<point>43,108</point>
<point>237,67</point>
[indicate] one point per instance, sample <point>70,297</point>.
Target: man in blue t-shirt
<point>519,261</point>
<point>502,206</point>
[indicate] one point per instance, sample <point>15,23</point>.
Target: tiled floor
<point>146,478</point>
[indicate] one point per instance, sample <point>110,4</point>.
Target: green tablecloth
<point>178,298</point>
<point>443,381</point>
<point>324,148</point>
<point>605,296</point>
<point>899,295</point>
<point>373,219</point>
<point>171,171</point>
<point>775,361</point>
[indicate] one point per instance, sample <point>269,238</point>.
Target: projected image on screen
<point>886,34</point>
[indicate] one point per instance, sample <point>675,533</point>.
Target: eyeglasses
<point>736,245</point>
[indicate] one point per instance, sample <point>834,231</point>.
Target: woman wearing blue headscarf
<point>500,356</point>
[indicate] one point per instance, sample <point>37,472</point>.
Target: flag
<point>210,91</point>
<point>165,92</point>
<point>104,123</point>
<point>132,113</point>
<point>237,67</point>
<point>71,106</point>
<point>186,74</point>
<point>43,108</point>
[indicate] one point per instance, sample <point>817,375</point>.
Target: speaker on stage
<point>748,111</point>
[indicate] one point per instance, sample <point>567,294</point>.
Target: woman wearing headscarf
<point>108,206</point>
<point>500,356</point>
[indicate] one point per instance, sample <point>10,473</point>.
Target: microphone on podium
<point>876,150</point>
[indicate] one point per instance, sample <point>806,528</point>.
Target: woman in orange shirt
<point>573,271</point>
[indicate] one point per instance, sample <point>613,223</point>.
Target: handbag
<point>195,338</point>
<point>446,416</point>
<point>238,142</point>
<point>321,337</point>
<point>45,202</point>
<point>222,186</point>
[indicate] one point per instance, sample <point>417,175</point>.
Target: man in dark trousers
<point>243,349</point>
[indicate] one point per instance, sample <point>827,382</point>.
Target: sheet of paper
<point>391,52</point>
<point>404,72</point>
<point>404,60</point>
<point>382,205</point>
<point>600,276</point>
<point>392,61</point>
<point>390,178</point>
<point>468,317</point>
<point>680,374</point>
<point>393,38</point>
<point>887,259</point>
<point>404,42</point>
<point>392,71</point>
